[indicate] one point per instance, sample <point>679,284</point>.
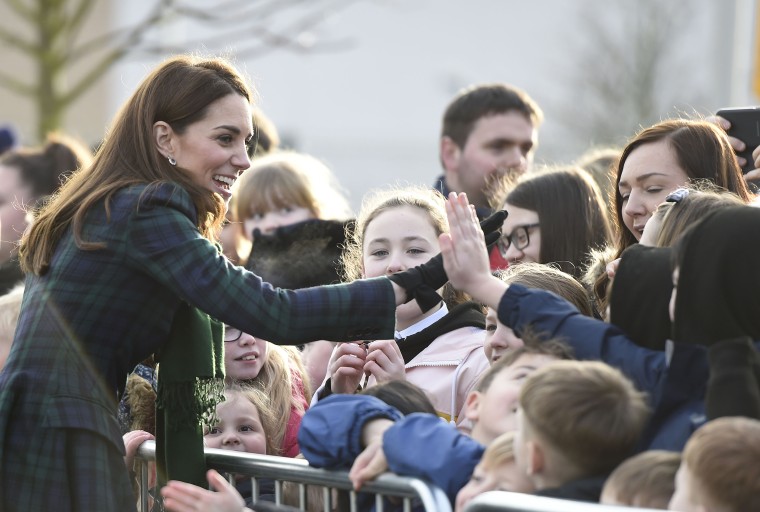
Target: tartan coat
<point>95,314</point>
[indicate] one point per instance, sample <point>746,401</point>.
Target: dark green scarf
<point>190,385</point>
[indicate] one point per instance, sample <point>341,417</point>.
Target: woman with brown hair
<point>122,263</point>
<point>658,160</point>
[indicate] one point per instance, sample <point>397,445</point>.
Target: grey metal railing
<point>281,469</point>
<point>501,501</point>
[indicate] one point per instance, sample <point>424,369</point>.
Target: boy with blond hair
<point>577,421</point>
<point>720,470</point>
<point>646,480</point>
<point>495,471</point>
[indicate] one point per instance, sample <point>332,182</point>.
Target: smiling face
<point>493,411</point>
<point>212,150</point>
<point>499,339</point>
<point>244,358</point>
<point>649,174</point>
<point>395,240</point>
<point>239,427</point>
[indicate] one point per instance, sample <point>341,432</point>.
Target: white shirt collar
<point>424,323</point>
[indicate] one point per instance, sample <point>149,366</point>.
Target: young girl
<point>246,422</point>
<point>278,372</point>
<point>282,189</point>
<point>555,216</point>
<point>439,351</point>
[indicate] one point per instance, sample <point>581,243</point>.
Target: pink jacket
<point>447,370</point>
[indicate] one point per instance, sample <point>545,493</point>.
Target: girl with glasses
<point>555,216</point>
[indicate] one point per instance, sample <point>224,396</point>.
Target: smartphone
<point>745,126</point>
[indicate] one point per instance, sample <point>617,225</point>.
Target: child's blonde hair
<point>587,413</point>
<point>697,200</point>
<point>286,178</point>
<point>501,451</point>
<point>546,276</point>
<point>378,201</point>
<point>722,457</point>
<point>646,480</point>
<point>282,370</point>
<point>270,421</point>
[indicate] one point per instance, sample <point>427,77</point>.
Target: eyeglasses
<point>232,334</point>
<point>677,195</point>
<point>519,237</point>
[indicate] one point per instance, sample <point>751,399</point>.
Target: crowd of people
<point>582,331</point>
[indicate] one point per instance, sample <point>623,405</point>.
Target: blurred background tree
<point>52,35</point>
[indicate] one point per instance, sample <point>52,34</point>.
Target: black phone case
<point>745,126</point>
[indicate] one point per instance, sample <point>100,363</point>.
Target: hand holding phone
<point>745,126</point>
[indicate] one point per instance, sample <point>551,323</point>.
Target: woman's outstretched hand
<point>465,257</point>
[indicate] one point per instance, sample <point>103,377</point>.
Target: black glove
<point>422,281</point>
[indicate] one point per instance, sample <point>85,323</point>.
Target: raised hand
<point>465,256</point>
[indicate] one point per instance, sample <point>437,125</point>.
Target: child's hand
<point>369,464</point>
<point>132,441</point>
<point>346,367</point>
<point>184,497</point>
<point>384,361</point>
<point>465,257</point>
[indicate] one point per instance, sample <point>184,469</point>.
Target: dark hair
<point>178,92</point>
<point>572,214</point>
<point>265,136</point>
<point>403,395</point>
<point>482,100</point>
<point>44,169</point>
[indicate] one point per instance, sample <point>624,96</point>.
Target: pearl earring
<point>172,160</point>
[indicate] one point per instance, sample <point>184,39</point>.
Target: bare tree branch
<point>16,42</point>
<point>76,21</point>
<point>127,36</point>
<point>16,85</point>
<point>22,10</point>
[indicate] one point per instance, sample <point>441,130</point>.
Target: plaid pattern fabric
<point>96,314</point>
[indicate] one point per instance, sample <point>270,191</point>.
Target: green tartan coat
<point>96,314</point>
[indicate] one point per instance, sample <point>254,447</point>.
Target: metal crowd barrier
<point>502,501</point>
<point>412,491</point>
